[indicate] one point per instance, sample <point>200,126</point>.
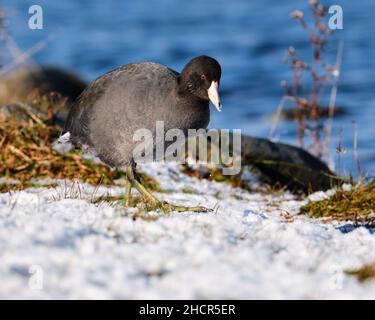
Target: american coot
<point>135,96</point>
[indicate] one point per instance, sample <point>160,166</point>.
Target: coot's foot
<point>152,202</point>
<point>167,207</point>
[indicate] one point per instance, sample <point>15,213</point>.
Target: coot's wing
<point>92,92</point>
<point>106,115</point>
<point>76,123</point>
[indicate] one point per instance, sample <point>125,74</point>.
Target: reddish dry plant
<point>11,56</point>
<point>319,74</point>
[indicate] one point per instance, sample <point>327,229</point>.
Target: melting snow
<point>252,246</point>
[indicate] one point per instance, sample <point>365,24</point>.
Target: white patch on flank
<point>63,144</point>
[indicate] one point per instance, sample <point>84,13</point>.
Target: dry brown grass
<point>365,273</point>
<point>27,154</point>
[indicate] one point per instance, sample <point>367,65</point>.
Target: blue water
<point>249,38</point>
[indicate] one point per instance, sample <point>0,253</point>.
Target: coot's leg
<point>155,203</point>
<point>128,192</point>
<point>130,173</point>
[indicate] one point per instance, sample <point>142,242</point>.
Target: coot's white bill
<point>213,94</point>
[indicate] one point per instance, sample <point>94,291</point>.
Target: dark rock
<point>286,165</point>
<point>19,85</point>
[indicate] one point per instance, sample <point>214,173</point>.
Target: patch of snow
<point>252,246</point>
<point>347,187</point>
<point>321,195</point>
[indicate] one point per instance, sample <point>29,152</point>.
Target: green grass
<point>354,205</point>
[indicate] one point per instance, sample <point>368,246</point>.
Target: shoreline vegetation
<point>35,100</point>
<point>31,119</point>
<point>28,154</point>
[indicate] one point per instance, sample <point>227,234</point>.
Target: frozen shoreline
<point>253,246</point>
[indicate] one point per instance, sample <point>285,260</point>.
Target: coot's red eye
<point>203,77</point>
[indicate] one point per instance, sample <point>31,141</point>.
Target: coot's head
<point>201,77</point>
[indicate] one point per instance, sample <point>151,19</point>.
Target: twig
<point>339,151</point>
<point>9,41</point>
<point>332,100</point>
<point>277,117</point>
<point>356,157</point>
<point>32,115</point>
<point>18,152</point>
<point>24,56</point>
<point>96,189</point>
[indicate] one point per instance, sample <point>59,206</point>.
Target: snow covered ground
<point>252,246</point>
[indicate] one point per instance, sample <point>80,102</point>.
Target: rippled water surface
<point>249,39</point>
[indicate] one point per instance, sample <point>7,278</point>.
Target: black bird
<point>112,108</point>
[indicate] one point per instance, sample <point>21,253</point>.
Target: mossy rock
<point>280,165</point>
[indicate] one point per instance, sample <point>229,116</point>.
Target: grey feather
<point>110,110</point>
